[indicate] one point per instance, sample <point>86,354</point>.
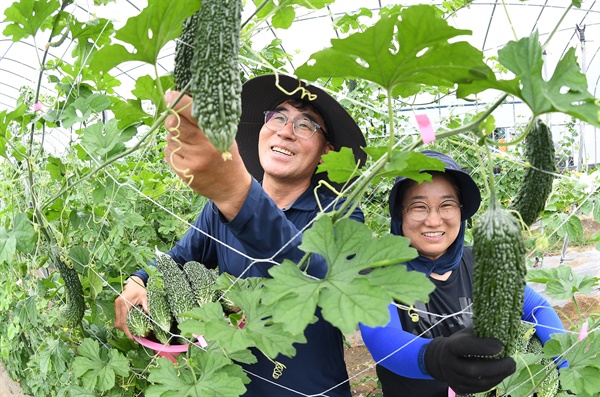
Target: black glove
<point>465,362</point>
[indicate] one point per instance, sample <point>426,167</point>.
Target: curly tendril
<point>180,146</point>
<point>306,94</point>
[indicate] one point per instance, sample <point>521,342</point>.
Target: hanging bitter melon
<point>184,52</point>
<point>216,84</point>
<point>498,276</point>
<point>536,185</point>
<point>72,313</point>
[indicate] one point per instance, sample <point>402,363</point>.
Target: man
<point>247,225</point>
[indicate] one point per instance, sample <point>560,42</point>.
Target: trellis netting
<point>107,198</point>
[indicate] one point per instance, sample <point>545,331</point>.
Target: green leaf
<point>56,168</point>
<point>406,164</point>
<point>148,32</point>
<point>147,88</point>
<point>129,219</point>
<point>208,321</point>
<point>290,278</point>
<point>98,370</point>
<point>95,281</point>
<point>340,165</point>
<point>8,246</point>
<point>29,16</point>
<point>388,278</point>
<point>581,377</point>
<point>92,34</point>
<point>207,373</point>
<point>259,330</point>
<point>420,54</point>
<point>130,113</point>
<point>77,391</point>
<point>80,256</point>
<point>105,140</point>
<point>76,112</point>
<point>565,92</point>
<point>283,17</point>
<point>24,234</point>
<point>561,282</point>
<point>283,13</point>
<point>574,228</point>
<point>348,294</point>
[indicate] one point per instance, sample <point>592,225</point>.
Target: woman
<point>426,356</point>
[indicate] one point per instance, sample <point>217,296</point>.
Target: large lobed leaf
<point>29,16</point>
<point>147,32</point>
<point>98,368</point>
<point>402,53</point>
<point>259,330</point>
<point>214,375</point>
<point>566,91</point>
<point>581,377</point>
<point>347,295</point>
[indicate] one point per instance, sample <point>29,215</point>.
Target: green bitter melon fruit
<point>138,322</point>
<point>498,276</point>
<point>73,312</point>
<point>202,280</point>
<point>179,292</point>
<point>159,309</point>
<point>184,52</point>
<point>216,84</point>
<point>536,185</point>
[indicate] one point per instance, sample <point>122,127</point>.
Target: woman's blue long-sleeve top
<point>261,236</point>
<point>402,347</point>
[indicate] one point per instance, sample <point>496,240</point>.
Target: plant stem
<point>260,7</point>
<point>557,25</point>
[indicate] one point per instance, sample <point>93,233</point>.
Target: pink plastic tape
<point>425,127</point>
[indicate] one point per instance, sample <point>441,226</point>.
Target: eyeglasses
<point>302,127</point>
<point>419,211</point>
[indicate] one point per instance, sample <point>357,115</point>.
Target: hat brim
<point>262,93</point>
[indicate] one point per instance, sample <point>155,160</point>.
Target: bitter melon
<point>184,52</point>
<point>216,84</point>
<point>536,185</point>
<point>498,276</point>
<point>72,314</point>
<point>179,292</point>
<point>138,322</point>
<point>159,309</point>
<point>202,280</point>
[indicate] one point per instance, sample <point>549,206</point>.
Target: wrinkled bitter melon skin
<point>138,323</point>
<point>216,84</point>
<point>202,280</point>
<point>159,310</point>
<point>184,52</point>
<point>498,277</point>
<point>72,313</point>
<point>177,288</point>
<point>536,185</point>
